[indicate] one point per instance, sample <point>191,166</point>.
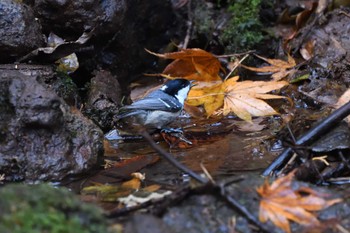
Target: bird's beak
<point>193,83</point>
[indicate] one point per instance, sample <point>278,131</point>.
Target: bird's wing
<point>169,104</point>
<point>148,104</point>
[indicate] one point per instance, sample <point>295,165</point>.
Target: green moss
<point>244,29</point>
<point>42,208</point>
<point>233,24</point>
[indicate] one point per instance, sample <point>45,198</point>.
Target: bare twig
<point>235,54</point>
<point>244,211</point>
<point>207,185</point>
<point>189,26</point>
<point>234,68</point>
<point>172,160</point>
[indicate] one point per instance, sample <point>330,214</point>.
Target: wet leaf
<point>111,193</point>
<point>135,199</point>
<point>133,160</point>
<point>300,78</point>
<point>178,140</point>
<point>152,188</point>
<point>191,64</point>
<point>135,182</point>
<point>307,49</point>
<point>208,94</point>
<point>278,68</point>
<point>255,126</point>
<point>105,192</point>
<point>57,49</point>
<point>280,203</point>
<point>127,166</point>
<point>245,99</point>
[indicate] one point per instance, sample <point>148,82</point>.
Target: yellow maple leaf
<point>245,99</point>
<point>281,203</point>
<point>208,94</point>
<point>278,68</point>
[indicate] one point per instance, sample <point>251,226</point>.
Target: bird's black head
<point>173,87</point>
<point>177,88</point>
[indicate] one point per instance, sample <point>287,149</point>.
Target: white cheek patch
<point>182,94</point>
<point>163,88</point>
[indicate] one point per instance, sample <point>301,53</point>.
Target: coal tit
<point>156,110</point>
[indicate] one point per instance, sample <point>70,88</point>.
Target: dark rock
<point>20,32</point>
<point>72,18</point>
<point>122,29</point>
<point>59,82</point>
<point>146,223</point>
<point>43,208</point>
<point>41,137</point>
<point>103,99</point>
<point>146,24</point>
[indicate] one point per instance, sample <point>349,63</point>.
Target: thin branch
<point>235,67</point>
<point>309,137</point>
<point>243,211</point>
<point>207,185</point>
<point>189,25</point>
<point>172,160</point>
<point>235,54</point>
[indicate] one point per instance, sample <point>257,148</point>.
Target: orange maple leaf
<point>281,203</point>
<point>192,64</point>
<point>278,68</point>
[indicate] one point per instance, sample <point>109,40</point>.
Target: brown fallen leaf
<point>178,140</point>
<point>255,126</point>
<point>135,182</point>
<point>278,68</point>
<point>307,49</point>
<point>192,64</point>
<point>280,203</point>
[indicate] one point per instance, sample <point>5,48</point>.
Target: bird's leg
<point>172,130</point>
<point>176,133</point>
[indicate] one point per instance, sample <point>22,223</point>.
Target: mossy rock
<point>240,26</point>
<point>244,30</point>
<point>43,208</point>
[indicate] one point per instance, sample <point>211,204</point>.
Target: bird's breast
<point>158,119</point>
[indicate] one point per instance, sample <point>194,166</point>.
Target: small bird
<point>156,110</point>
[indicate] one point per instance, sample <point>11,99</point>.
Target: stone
<point>42,138</point>
<point>20,32</point>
